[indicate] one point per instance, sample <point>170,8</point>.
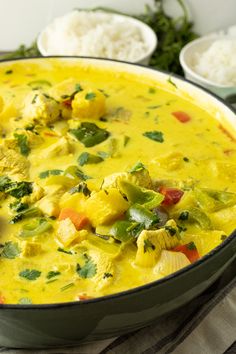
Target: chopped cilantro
<point>80,188</point>
<point>67,286</point>
<point>126,139</point>
<point>90,96</point>
<point>186,159</point>
<point>88,270</point>
<point>8,72</point>
<point>60,249</point>
<point>154,107</point>
<point>52,274</point>
<point>154,135</point>
<point>48,173</point>
<point>27,213</point>
<point>148,246</point>
<point>23,144</point>
<point>18,206</point>
<point>78,88</point>
<point>30,274</point>
<point>107,275</point>
<point>171,230</point>
<point>89,134</point>
<point>34,98</point>
<point>86,158</point>
<point>184,215</point>
<point>191,246</point>
<point>137,167</point>
<point>19,189</point>
<point>5,183</point>
<point>10,250</point>
<point>171,82</point>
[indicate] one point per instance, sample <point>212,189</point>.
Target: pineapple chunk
<point>150,243</point>
<point>74,201</point>
<point>66,232</point>
<point>89,103</point>
<point>30,249</point>
<point>104,206</point>
<point>49,205</point>
<point>170,262</point>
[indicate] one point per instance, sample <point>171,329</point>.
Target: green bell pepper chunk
<point>212,200</point>
<point>148,198</point>
<point>142,215</point>
<point>196,215</point>
<point>121,230</point>
<point>36,227</point>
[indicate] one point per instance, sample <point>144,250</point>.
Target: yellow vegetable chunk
<point>104,206</point>
<point>30,249</point>
<point>89,103</point>
<point>74,201</point>
<point>66,232</point>
<point>49,205</point>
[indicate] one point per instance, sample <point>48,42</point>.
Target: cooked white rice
<point>95,34</point>
<point>218,62</point>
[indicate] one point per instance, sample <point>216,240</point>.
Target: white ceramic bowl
<point>148,36</point>
<point>187,59</point>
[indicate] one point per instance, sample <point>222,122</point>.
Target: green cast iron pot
<point>67,324</point>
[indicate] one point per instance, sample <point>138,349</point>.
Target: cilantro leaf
<point>23,143</point>
<point>52,274</point>
<point>10,250</point>
<point>88,270</point>
<point>19,189</point>
<point>47,173</point>
<point>90,96</point>
<point>30,274</point>
<point>154,135</point>
<point>148,246</point>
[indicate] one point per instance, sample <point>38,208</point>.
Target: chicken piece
<point>66,232</point>
<point>140,178</point>
<point>50,204</point>
<point>13,164</point>
<point>89,103</point>
<point>60,148</point>
<point>40,107</point>
<point>105,206</point>
<point>105,269</point>
<point>150,243</point>
<point>37,193</point>
<point>31,249</point>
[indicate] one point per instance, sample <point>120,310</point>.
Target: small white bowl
<point>187,59</point>
<point>148,35</point>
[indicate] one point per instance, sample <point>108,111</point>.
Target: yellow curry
<point>107,182</point>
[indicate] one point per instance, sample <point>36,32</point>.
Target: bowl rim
<point>188,47</point>
<point>154,283</point>
<point>137,23</point>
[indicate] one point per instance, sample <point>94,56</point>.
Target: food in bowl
<point>108,181</point>
<point>98,34</point>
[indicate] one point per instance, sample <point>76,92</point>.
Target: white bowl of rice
<point>210,61</point>
<point>98,34</point>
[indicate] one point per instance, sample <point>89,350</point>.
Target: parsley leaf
<point>23,144</point>
<point>148,246</point>
<point>90,96</point>
<point>155,135</point>
<point>10,250</point>
<point>52,274</point>
<point>88,270</point>
<point>19,189</point>
<point>30,274</point>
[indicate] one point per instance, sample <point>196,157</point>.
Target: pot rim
<point>229,240</point>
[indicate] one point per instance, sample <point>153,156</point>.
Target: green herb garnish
<point>148,246</point>
<point>23,144</point>
<point>80,188</point>
<point>90,96</point>
<point>60,249</point>
<point>10,250</point>
<point>52,274</point>
<point>88,270</point>
<point>47,173</point>
<point>67,286</point>
<point>154,135</point>
<point>139,166</point>
<point>30,274</point>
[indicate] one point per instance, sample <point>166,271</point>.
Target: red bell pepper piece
<point>172,195</point>
<point>182,117</point>
<point>190,251</point>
